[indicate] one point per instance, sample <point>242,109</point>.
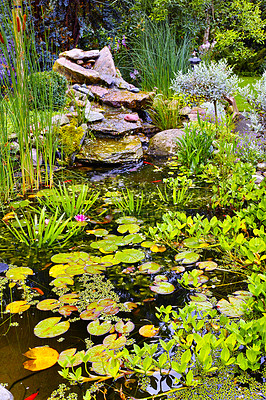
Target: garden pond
<point>104,287</point>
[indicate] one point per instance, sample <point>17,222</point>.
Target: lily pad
<point>19,204</point>
<point>95,268</point>
<point>133,238</point>
<point>92,312</point>
<point>48,304</point>
<point>97,232</point>
<point>100,368</point>
<point>129,256</point>
<point>96,328</point>
<point>62,281</point>
<point>58,269</point>
<point>150,267</point>
<point>73,257</point>
<point>74,269</point>
<point>76,357</point>
<point>178,269</point>
<point>147,244</point>
<point>148,331</point>
<point>194,243</point>
<point>67,310</point>
<point>106,302</point>
<point>42,357</point>
<point>198,297</point>
<point>203,305</point>
<point>112,342</point>
<point>109,260</point>
<point>17,306</point>
<point>207,265</point>
<point>243,294</point>
<point>97,353</point>
<point>187,257</point>
<point>158,249</point>
<point>235,307</point>
<point>126,220</point>
<point>163,288</point>
<point>122,327</point>
<point>69,298</point>
<point>19,273</point>
<point>51,327</point>
<point>131,228</point>
<point>111,310</point>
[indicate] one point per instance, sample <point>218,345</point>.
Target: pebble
<point>134,90</point>
<point>131,117</point>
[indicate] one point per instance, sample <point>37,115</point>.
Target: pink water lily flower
<point>80,218</point>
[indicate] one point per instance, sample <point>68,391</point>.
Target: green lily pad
<point>62,281</point>
<point>126,220</point>
<point>97,353</point>
<point>58,269</point>
<point>129,256</point>
<point>113,343</point>
<point>207,265</point>
<point>235,307</point>
<point>132,238</point>
<point>109,260</point>
<point>48,304</point>
<point>194,243</point>
<point>122,327</point>
<point>75,257</point>
<point>200,278</point>
<point>95,268</point>
<point>92,312</point>
<point>160,278</point>
<point>198,297</point>
<point>147,244</point>
<point>69,298</point>
<point>150,267</point>
<point>187,257</point>
<point>243,294</point>
<point>100,368</point>
<point>163,288</point>
<point>131,228</point>
<point>203,305</point>
<point>51,327</point>
<point>76,357</point>
<point>19,273</point>
<point>98,232</point>
<point>178,269</point>
<point>98,329</point>
<point>75,269</point>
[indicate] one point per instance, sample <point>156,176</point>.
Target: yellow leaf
<point>157,249</point>
<point>17,306</point>
<point>8,216</point>
<point>148,331</point>
<point>42,357</point>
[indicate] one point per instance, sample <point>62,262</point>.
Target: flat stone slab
<point>115,125</point>
<point>78,54</point>
<point>5,394</point>
<point>119,98</point>
<point>76,73</point>
<point>111,150</point>
<point>164,143</point>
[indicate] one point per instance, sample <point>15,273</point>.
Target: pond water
<point>17,330</point>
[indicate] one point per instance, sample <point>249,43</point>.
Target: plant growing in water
<point>130,203</point>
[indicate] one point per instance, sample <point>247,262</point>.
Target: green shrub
<point>47,90</point>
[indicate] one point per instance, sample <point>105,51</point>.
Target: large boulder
<point>111,151</point>
<point>164,143</point>
<point>124,98</point>
<point>105,65</point>
<point>76,73</point>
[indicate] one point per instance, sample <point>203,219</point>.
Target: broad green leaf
<point>97,353</point>
<point>76,357</point>
<point>235,307</point>
<point>58,269</point>
<point>126,220</point>
<point>95,268</point>
<point>133,238</point>
<point>194,243</point>
<point>74,269</point>
<point>150,267</point>
<point>62,281</point>
<point>101,368</point>
<point>96,328</point>
<point>187,257</point>
<point>98,232</point>
<point>207,265</point>
<point>129,256</point>
<point>198,297</point>
<point>113,343</point>
<point>147,244</point>
<point>19,273</point>
<point>75,257</point>
<point>122,327</point>
<point>163,288</point>
<point>48,304</point>
<point>19,204</point>
<point>51,327</point>
<point>131,228</point>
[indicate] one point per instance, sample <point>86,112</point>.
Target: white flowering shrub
<point>257,100</point>
<point>212,81</point>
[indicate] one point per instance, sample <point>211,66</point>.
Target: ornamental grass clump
<point>214,82</point>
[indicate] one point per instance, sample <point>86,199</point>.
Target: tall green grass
<point>157,54</point>
<point>33,131</point>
